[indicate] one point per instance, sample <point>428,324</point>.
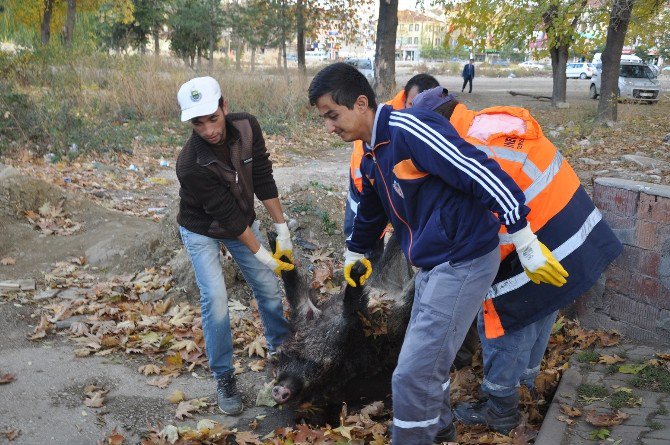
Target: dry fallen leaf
<point>7,378</point>
<point>176,396</point>
<point>7,261</point>
<point>11,433</point>
<point>570,411</point>
<point>610,359</point>
<point>149,369</point>
<point>606,419</point>
<point>257,365</point>
<point>161,382</point>
<point>115,438</point>
<point>96,400</point>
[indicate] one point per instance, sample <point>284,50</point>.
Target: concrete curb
<point>553,431</point>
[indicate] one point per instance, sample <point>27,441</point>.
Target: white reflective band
<point>494,386</point>
<point>543,181</point>
<point>445,385</point>
<point>353,205</point>
<point>527,166</point>
<point>420,424</point>
<point>562,251</point>
<point>357,173</point>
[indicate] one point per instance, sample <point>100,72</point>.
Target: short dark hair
<point>344,83</point>
<point>447,109</point>
<point>423,81</point>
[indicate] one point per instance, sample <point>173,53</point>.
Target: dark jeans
<point>465,82</point>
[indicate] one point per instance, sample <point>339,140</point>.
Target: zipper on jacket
<point>409,251</point>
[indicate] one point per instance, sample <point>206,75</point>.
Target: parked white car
<point>580,70</point>
<point>528,64</point>
<point>636,82</point>
<point>364,65</point>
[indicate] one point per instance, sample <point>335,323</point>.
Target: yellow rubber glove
<point>537,260</point>
<point>275,265</point>
<point>350,259</point>
<point>283,246</point>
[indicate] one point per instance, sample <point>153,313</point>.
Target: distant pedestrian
<point>468,75</point>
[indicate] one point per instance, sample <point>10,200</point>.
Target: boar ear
<point>392,271</point>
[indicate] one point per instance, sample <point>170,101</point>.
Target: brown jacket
<point>217,198</point>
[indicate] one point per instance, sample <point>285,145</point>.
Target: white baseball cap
<point>198,97</point>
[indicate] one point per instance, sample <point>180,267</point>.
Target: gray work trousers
<point>446,301</point>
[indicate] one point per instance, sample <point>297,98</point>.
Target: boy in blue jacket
<point>440,194</point>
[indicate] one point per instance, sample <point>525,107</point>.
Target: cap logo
<point>195,95</point>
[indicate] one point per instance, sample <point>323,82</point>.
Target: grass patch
<point>612,369</point>
<point>588,356</point>
<point>589,390</point>
<point>624,398</point>
<point>654,378</point>
<point>53,98</point>
<point>655,426</point>
<point>318,185</point>
<point>662,411</point>
<point>329,226</point>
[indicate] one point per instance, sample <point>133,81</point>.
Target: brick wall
<point>633,296</point>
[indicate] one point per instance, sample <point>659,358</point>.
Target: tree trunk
<point>70,21</point>
<point>253,58</point>
<point>611,59</point>
<point>238,56</point>
<point>300,25</point>
<point>283,33</point>
<point>387,27</point>
<point>211,50</point>
<point>559,60</point>
<point>45,30</point>
<point>199,59</point>
<point>156,34</point>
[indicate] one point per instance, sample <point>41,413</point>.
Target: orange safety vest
<point>537,167</point>
<point>398,103</point>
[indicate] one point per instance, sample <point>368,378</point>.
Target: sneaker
<point>447,434</point>
<point>229,400</point>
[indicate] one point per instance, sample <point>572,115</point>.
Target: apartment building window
<point>416,27</point>
<point>416,40</point>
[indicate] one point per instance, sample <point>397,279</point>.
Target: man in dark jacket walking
<point>221,167</point>
<point>468,75</point>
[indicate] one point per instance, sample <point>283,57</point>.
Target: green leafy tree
<point>195,26</point>
<point>524,23</point>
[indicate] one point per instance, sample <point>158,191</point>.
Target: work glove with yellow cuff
<point>537,260</point>
<point>350,260</point>
<point>283,246</point>
<point>275,265</point>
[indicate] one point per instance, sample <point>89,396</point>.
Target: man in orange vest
<point>402,100</point>
<point>517,316</point>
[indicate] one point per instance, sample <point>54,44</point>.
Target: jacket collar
<point>205,151</point>
<point>380,128</point>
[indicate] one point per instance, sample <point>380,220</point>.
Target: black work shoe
<point>447,434</point>
<point>229,400</point>
<point>471,413</point>
<point>504,423</point>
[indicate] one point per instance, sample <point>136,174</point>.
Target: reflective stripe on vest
<point>540,179</point>
<point>570,245</point>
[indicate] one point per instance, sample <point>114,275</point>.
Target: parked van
<point>636,81</point>
<point>364,65</point>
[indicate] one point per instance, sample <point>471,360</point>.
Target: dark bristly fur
<point>329,352</point>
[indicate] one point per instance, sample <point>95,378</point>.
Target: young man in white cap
<point>221,167</point>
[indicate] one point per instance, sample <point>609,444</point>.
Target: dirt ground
<point>121,233</point>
